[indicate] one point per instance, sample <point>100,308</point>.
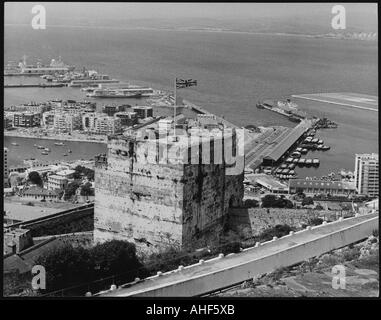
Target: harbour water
<point>234,71</point>
<point>26,150</point>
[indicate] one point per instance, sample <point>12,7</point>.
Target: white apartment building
<point>101,124</point>
<point>366,174</point>
<point>108,125</point>
<point>48,119</point>
<point>57,182</point>
<point>64,122</point>
<point>88,121</point>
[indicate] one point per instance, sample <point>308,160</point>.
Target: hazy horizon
<point>276,17</point>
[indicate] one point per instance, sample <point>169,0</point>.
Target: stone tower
<point>163,192</point>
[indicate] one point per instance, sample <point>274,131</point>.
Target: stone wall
<point>251,222</point>
<point>74,221</point>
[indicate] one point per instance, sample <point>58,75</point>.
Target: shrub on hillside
<point>277,231</point>
<point>68,266</point>
<point>272,201</point>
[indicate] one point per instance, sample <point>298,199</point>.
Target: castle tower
<point>163,192</point>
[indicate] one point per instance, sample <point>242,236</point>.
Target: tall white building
<point>366,174</point>
<point>6,172</point>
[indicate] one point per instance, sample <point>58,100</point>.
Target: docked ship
<point>286,108</point>
<point>56,66</point>
<point>59,143</point>
<point>130,92</point>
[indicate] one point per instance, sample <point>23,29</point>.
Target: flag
<point>181,83</point>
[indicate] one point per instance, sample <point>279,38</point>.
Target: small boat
<point>304,151</point>
<point>320,141</point>
<point>315,162</point>
<point>35,145</point>
<point>40,147</point>
<point>59,143</point>
<point>285,171</point>
<point>315,140</point>
<point>292,172</point>
<point>296,154</point>
<point>302,161</point>
<point>296,160</point>
<point>14,144</point>
<point>69,151</point>
<point>299,149</point>
<point>291,166</point>
<point>308,162</point>
<point>47,149</point>
<point>325,148</point>
<point>283,166</point>
<point>44,153</point>
<point>65,154</point>
<point>319,147</point>
<point>289,160</point>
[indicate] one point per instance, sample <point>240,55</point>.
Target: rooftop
<point>269,180</point>
<point>40,191</point>
<point>65,172</point>
<point>321,184</point>
<point>57,177</point>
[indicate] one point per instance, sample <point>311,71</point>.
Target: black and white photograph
<point>219,151</point>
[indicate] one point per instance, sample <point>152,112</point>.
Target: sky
<point>358,14</point>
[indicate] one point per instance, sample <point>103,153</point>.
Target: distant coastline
<point>359,35</point>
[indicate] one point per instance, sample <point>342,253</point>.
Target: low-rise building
<point>269,183</point>
<point>16,240</point>
<point>67,173</point>
<point>57,182</point>
<point>38,193</point>
<point>321,187</point>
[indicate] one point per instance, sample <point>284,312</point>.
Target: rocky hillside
<point>314,278</point>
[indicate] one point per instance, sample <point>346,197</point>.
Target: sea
<point>233,71</point>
